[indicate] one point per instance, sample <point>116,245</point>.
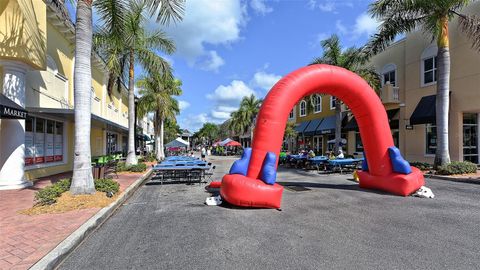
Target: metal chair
<point>208,174</point>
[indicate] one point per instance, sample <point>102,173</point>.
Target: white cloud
<point>213,62</point>
<point>260,7</point>
<point>365,25</point>
<point>234,92</point>
<point>341,29</point>
<point>311,4</point>
<point>327,7</point>
<point>182,104</point>
<point>265,80</point>
<point>207,22</point>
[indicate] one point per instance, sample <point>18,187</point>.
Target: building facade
<point>408,72</point>
<point>37,73</point>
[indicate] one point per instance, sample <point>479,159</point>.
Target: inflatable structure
<point>251,181</point>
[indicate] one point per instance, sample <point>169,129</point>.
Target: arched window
<point>317,103</point>
<point>303,108</point>
<point>429,66</point>
<point>389,74</point>
<point>292,113</point>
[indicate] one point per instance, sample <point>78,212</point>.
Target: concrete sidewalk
<point>26,239</point>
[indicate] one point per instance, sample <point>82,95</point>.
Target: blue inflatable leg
<point>241,166</point>
<point>269,170</point>
<point>399,164</point>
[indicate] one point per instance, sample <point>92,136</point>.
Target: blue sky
<point>227,49</point>
<point>230,48</point>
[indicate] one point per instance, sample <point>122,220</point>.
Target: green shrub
<point>151,157</point>
<point>107,185</point>
<point>122,167</point>
<point>140,159</point>
<point>140,167</point>
<point>457,167</point>
<point>49,195</point>
<point>422,165</point>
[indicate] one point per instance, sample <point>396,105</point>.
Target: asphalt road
<point>333,225</point>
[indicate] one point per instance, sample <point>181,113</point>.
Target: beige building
<point>408,72</point>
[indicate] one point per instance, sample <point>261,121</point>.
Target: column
<point>12,131</point>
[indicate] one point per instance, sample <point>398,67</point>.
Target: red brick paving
<point>26,239</point>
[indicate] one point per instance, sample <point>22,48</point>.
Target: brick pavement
<point>26,239</point>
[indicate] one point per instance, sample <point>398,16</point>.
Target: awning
<point>69,114</point>
<point>143,137</point>
<point>178,142</point>
<point>327,126</point>
<point>424,113</point>
<point>301,128</point>
<point>353,126</point>
<point>312,127</point>
<point>11,110</point>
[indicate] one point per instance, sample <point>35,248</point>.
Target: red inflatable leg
<point>399,184</point>
<point>244,191</point>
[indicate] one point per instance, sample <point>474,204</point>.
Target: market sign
<point>10,109</point>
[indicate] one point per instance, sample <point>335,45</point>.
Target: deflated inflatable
<point>251,181</point>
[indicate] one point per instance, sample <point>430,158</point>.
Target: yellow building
<point>36,63</point>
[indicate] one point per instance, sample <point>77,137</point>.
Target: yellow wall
<point>23,31</point>
<point>326,111</point>
<point>97,141</point>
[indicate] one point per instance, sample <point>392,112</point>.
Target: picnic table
<point>345,163</point>
<point>174,172</point>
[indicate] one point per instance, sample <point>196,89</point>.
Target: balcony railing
<point>390,94</point>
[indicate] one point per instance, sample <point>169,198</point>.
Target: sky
<point>227,49</point>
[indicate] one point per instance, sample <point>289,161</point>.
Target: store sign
<point>13,113</point>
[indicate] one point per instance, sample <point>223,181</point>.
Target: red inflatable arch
<point>271,121</point>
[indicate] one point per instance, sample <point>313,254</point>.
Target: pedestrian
<point>204,153</point>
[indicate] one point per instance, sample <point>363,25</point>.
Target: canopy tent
<point>11,110</point>
<point>216,143</point>
<point>178,142</point>
<point>224,142</point>
<point>233,143</point>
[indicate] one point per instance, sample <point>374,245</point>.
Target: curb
<point>452,179</point>
<point>62,250</point>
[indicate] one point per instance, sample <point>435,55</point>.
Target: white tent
<point>178,142</point>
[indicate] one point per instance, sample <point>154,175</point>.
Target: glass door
<point>470,137</point>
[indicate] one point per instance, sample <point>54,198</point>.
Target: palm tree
<point>82,179</point>
<point>244,118</point>
<point>400,17</point>
<point>352,59</point>
<point>209,132</point>
<point>156,96</point>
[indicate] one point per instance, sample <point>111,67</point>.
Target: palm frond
<point>154,64</point>
<point>470,25</point>
<point>167,10</point>
<point>158,40</point>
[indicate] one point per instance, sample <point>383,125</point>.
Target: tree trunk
<point>161,152</point>
<point>338,125</point>
<point>82,179</point>
<point>442,155</point>
<point>157,138</point>
<point>131,157</point>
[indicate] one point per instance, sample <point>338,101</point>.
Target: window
<point>430,70</point>
<point>429,66</point>
<point>430,139</point>
<point>358,143</point>
<point>303,108</point>
<point>333,102</point>
<point>292,114</point>
<point>43,141</point>
<point>317,103</point>
<point>389,74</point>
<point>396,137</point>
<point>470,137</point>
